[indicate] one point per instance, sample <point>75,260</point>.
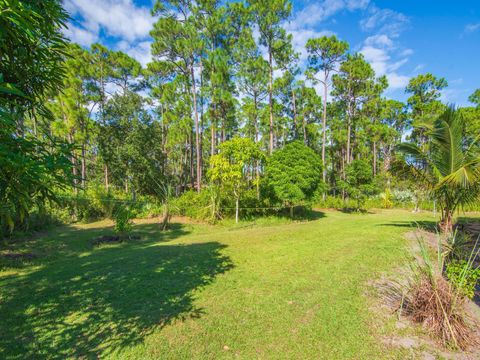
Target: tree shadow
<point>431,226</point>
<point>90,305</point>
<point>347,210</point>
<point>301,213</point>
<point>69,240</point>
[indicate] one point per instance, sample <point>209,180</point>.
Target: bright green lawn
<point>275,290</point>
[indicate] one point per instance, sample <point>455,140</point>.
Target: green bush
<point>123,220</point>
<point>463,276</point>
<point>293,174</point>
<point>193,204</point>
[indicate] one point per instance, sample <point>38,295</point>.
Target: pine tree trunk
<point>349,133</point>
<point>324,130</point>
<point>294,105</point>
<point>73,160</point>
<point>84,167</point>
<point>304,129</point>
<point>257,166</point>
<point>374,158</point>
<point>197,135</point>
<point>270,97</point>
<point>105,171</point>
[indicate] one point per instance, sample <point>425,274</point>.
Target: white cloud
<point>305,23</point>
<point>469,28</point>
<point>320,11</point>
<point>418,68</point>
<point>396,81</point>
<point>80,35</point>
<point>406,52</point>
<point>381,50</point>
<point>379,40</point>
<point>378,58</point>
<point>384,21</point>
<point>300,37</point>
<point>119,18</point>
<point>140,51</point>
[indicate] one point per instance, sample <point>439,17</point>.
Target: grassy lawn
<point>271,290</point>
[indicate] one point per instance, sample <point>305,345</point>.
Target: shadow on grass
<point>424,225</point>
<point>354,211</point>
<point>90,305</point>
<point>302,213</point>
<point>68,240</point>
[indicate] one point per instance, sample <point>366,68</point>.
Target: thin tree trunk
<point>446,224</point>
<point>257,166</point>
<point>304,128</point>
<point>105,171</point>
<point>270,98</point>
<point>197,137</point>
<point>192,171</point>
<point>349,132</point>
<point>374,158</point>
<point>236,209</point>
<point>84,167</point>
<point>213,129</point>
<point>324,129</point>
<point>73,160</point>
<point>294,105</point>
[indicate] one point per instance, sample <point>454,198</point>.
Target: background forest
<point>225,120</point>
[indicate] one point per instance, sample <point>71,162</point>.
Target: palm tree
<point>448,166</point>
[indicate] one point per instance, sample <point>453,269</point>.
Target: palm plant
<point>448,166</point>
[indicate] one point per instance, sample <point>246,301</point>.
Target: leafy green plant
<point>387,199</point>
<point>463,276</point>
<point>123,221</point>
<point>448,167</point>
<point>228,169</point>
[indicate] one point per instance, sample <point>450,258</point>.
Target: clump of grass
<point>438,304</point>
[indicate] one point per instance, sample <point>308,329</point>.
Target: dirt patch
<point>113,239</point>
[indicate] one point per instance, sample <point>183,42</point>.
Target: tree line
<point>219,71</point>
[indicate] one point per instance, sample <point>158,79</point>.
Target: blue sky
<point>400,38</point>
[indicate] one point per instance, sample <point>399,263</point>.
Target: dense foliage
<point>33,164</point>
<point>215,102</point>
<point>293,173</point>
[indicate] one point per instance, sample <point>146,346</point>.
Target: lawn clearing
<point>276,290</point>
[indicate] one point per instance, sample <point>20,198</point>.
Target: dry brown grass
<point>433,302</point>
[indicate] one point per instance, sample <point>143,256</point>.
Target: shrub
<point>387,199</point>
<point>430,299</point>
<point>123,220</point>
<point>193,204</point>
<point>463,276</point>
<point>293,173</point>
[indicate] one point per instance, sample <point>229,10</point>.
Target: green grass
<point>267,290</point>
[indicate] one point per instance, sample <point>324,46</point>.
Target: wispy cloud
<point>470,28</point>
<point>381,49</point>
<point>307,23</point>
<point>384,21</point>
